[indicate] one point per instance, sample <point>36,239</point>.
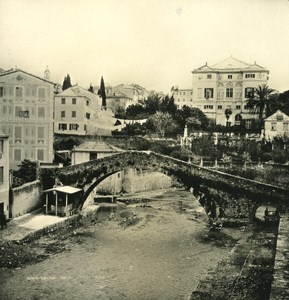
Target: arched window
<point>238,120</point>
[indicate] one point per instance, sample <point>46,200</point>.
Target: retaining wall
<point>38,233</point>
<point>25,198</point>
<point>280,285</point>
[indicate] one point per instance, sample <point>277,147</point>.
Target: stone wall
<point>140,181</point>
<point>112,184</point>
<point>130,181</point>
<point>280,285</point>
<point>25,198</point>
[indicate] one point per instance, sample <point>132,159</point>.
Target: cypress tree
<point>90,89</point>
<point>66,82</point>
<point>102,94</point>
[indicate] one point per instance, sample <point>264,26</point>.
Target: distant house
<point>124,95</point>
<point>92,150</point>
<point>117,101</point>
<point>277,125</point>
<point>132,91</point>
<point>4,174</point>
<point>182,96</point>
<point>96,150</point>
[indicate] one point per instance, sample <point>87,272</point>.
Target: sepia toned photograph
<point>144,150</point>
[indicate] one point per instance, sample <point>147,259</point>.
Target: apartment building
<point>75,111</point>
<point>182,96</point>
<point>26,115</point>
<point>227,85</point>
<point>4,174</point>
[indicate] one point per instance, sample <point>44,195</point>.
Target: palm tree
<point>259,100</point>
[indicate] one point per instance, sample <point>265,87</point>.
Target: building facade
<point>182,96</point>
<point>124,95</point>
<point>26,115</point>
<point>4,174</point>
<point>227,86</point>
<point>75,111</point>
<point>277,125</point>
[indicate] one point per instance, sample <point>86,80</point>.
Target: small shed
<point>62,200</point>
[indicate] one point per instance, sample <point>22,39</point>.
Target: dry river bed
<point>155,250</point>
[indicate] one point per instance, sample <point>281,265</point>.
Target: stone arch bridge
<point>221,194</point>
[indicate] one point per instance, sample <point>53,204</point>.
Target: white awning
<point>64,189</point>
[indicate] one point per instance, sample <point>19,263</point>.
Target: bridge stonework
<point>221,194</point>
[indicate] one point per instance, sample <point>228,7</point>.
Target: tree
<point>259,102</point>
<point>163,122</point>
<point>65,143</point>
<point>181,116</point>
<point>136,111</point>
<point>102,94</point>
<point>120,112</point>
<point>151,104</point>
<point>279,101</point>
<point>90,89</point>
<point>66,83</point>
<point>26,172</point>
<point>167,104</point>
<point>191,116</point>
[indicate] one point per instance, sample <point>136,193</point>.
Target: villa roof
<point>230,64</point>
<point>11,71</point>
<point>278,115</point>
<point>77,91</point>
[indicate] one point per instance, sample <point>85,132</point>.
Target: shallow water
<point>140,253</point>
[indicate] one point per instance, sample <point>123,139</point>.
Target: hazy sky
<point>155,43</point>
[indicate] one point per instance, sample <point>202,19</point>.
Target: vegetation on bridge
<point>232,196</point>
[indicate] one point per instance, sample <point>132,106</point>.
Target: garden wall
<point>25,198</point>
<point>139,181</point>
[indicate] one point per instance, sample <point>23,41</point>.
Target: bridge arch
<point>234,196</point>
<point>87,191</point>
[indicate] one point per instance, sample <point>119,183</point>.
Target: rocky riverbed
<point>157,249</point>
